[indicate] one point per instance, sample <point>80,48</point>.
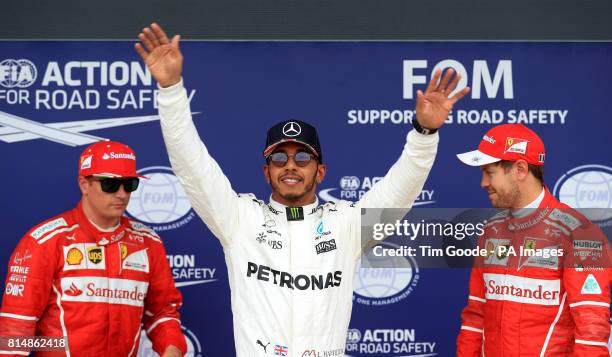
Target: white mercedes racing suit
<point>291,280</point>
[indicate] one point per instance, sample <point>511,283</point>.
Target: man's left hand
<point>433,106</point>
<point>172,351</point>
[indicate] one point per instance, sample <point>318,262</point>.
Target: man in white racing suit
<point>291,261</point>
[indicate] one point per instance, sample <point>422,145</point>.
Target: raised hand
<point>433,106</point>
<point>162,56</point>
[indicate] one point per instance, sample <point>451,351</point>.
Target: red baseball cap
<point>108,159</point>
<point>510,142</point>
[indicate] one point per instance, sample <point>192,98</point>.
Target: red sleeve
<point>161,318</point>
<point>586,278</point>
<point>471,335</point>
<point>27,287</point>
<point>470,339</point>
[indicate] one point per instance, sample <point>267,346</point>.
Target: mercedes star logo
<point>292,129</point>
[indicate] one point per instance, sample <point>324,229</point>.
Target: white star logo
<point>292,129</point>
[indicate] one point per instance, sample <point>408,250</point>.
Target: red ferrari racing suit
<point>68,278</point>
<point>521,305</point>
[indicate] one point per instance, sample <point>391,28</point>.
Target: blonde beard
<point>508,199</point>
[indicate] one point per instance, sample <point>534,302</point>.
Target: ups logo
<point>95,255</point>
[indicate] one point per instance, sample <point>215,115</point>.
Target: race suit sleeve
<point>161,318</point>
<point>209,191</point>
<point>587,282</point>
<point>403,182</point>
<point>406,178</point>
<point>470,339</point>
<point>31,271</point>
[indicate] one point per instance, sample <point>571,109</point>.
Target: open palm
<point>162,56</point>
<point>433,106</point>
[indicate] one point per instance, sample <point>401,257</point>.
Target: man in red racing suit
<point>543,287</point>
<point>70,277</point>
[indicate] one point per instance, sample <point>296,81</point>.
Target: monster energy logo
<point>295,213</point>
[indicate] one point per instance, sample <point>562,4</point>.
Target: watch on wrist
<point>420,129</point>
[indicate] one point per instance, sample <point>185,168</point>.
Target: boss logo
<point>326,246</point>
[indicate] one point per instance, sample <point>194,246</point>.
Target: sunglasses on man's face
<point>111,185</point>
<point>280,158</point>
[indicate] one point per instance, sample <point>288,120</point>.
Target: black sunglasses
<point>111,185</point>
<point>280,159</point>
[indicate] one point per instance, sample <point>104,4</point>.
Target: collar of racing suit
<point>101,237</point>
<point>550,201</point>
<point>534,215</point>
<point>522,212</point>
<point>307,209</point>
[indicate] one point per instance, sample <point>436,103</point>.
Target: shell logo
<point>490,248</point>
<point>74,257</point>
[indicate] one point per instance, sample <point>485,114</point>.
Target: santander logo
<point>127,293</point>
<point>105,290</point>
<point>522,289</point>
<point>73,290</point>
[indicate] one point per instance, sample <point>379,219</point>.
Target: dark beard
<point>295,197</point>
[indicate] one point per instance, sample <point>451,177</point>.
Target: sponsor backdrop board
<point>55,97</point>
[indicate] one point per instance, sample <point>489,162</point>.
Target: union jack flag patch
<point>280,350</point>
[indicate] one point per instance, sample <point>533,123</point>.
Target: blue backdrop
<point>360,97</point>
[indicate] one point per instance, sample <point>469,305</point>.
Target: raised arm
<point>209,191</point>
<point>405,180</point>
